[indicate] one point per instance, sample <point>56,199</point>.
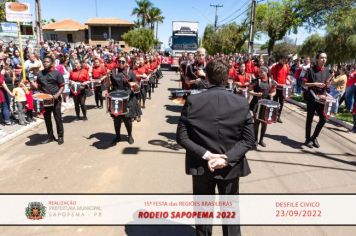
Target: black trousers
<point>313,107</point>
<point>117,124</point>
<point>56,110</point>
<point>98,92</point>
<point>206,185</point>
<point>263,129</point>
<point>79,103</point>
<point>279,98</point>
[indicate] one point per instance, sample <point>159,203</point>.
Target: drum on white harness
<point>287,90</point>
<point>117,102</point>
<point>328,102</point>
<point>76,88</point>
<point>267,111</point>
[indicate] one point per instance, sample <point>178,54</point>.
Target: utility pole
<point>252,26</point>
<point>216,14</point>
<point>38,21</point>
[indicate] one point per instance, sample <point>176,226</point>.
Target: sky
<point>173,10</point>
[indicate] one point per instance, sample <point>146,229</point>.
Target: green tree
<point>340,39</point>
<point>2,10</point>
<point>315,13</point>
<point>141,11</point>
<point>142,39</point>
<point>311,45</point>
<point>155,16</point>
<point>45,22</point>
<point>228,38</point>
<point>276,19</point>
<point>284,48</point>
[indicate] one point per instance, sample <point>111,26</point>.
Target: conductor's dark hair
<point>217,71</point>
<point>319,53</point>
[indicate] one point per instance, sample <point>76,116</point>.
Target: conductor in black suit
<point>216,129</point>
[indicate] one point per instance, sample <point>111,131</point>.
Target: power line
<point>236,11</point>
<point>246,10</point>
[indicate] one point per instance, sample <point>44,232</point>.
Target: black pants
<point>279,98</point>
<point>148,89</point>
<point>117,124</point>
<point>206,185</point>
<point>313,107</point>
<point>79,103</point>
<point>98,92</point>
<point>56,110</point>
<point>263,129</point>
<point>152,87</point>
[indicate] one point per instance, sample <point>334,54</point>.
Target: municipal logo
<point>35,211</point>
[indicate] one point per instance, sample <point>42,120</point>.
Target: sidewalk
<point>9,132</point>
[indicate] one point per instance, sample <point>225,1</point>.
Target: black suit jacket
<point>220,122</point>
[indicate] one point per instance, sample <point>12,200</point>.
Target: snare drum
<point>179,93</point>
<point>76,87</point>
<point>42,100</point>
<point>243,92</point>
<point>117,103</point>
<point>267,111</point>
<point>287,91</point>
<point>329,104</point>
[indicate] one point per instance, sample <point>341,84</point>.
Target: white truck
<point>184,39</point>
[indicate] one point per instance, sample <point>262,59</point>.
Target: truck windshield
<point>184,42</point>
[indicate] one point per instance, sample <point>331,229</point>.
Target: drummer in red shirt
<point>250,65</point>
<point>280,75</point>
<point>154,67</point>
<point>232,71</point>
<point>110,63</point>
<point>141,77</point>
<point>80,76</point>
<point>98,73</point>
<point>149,73</point>
<point>243,79</point>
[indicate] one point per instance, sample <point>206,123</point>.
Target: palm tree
<point>155,16</point>
<point>141,11</point>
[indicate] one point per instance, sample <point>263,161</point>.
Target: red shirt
<point>351,80</point>
<point>243,79</point>
<point>256,71</point>
<point>250,66</point>
<point>280,73</point>
<point>148,68</point>
<point>153,66</point>
<point>110,66</point>
<point>236,66</point>
<point>232,73</point>
<point>98,72</point>
<point>86,67</point>
<point>79,75</point>
<point>141,70</point>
